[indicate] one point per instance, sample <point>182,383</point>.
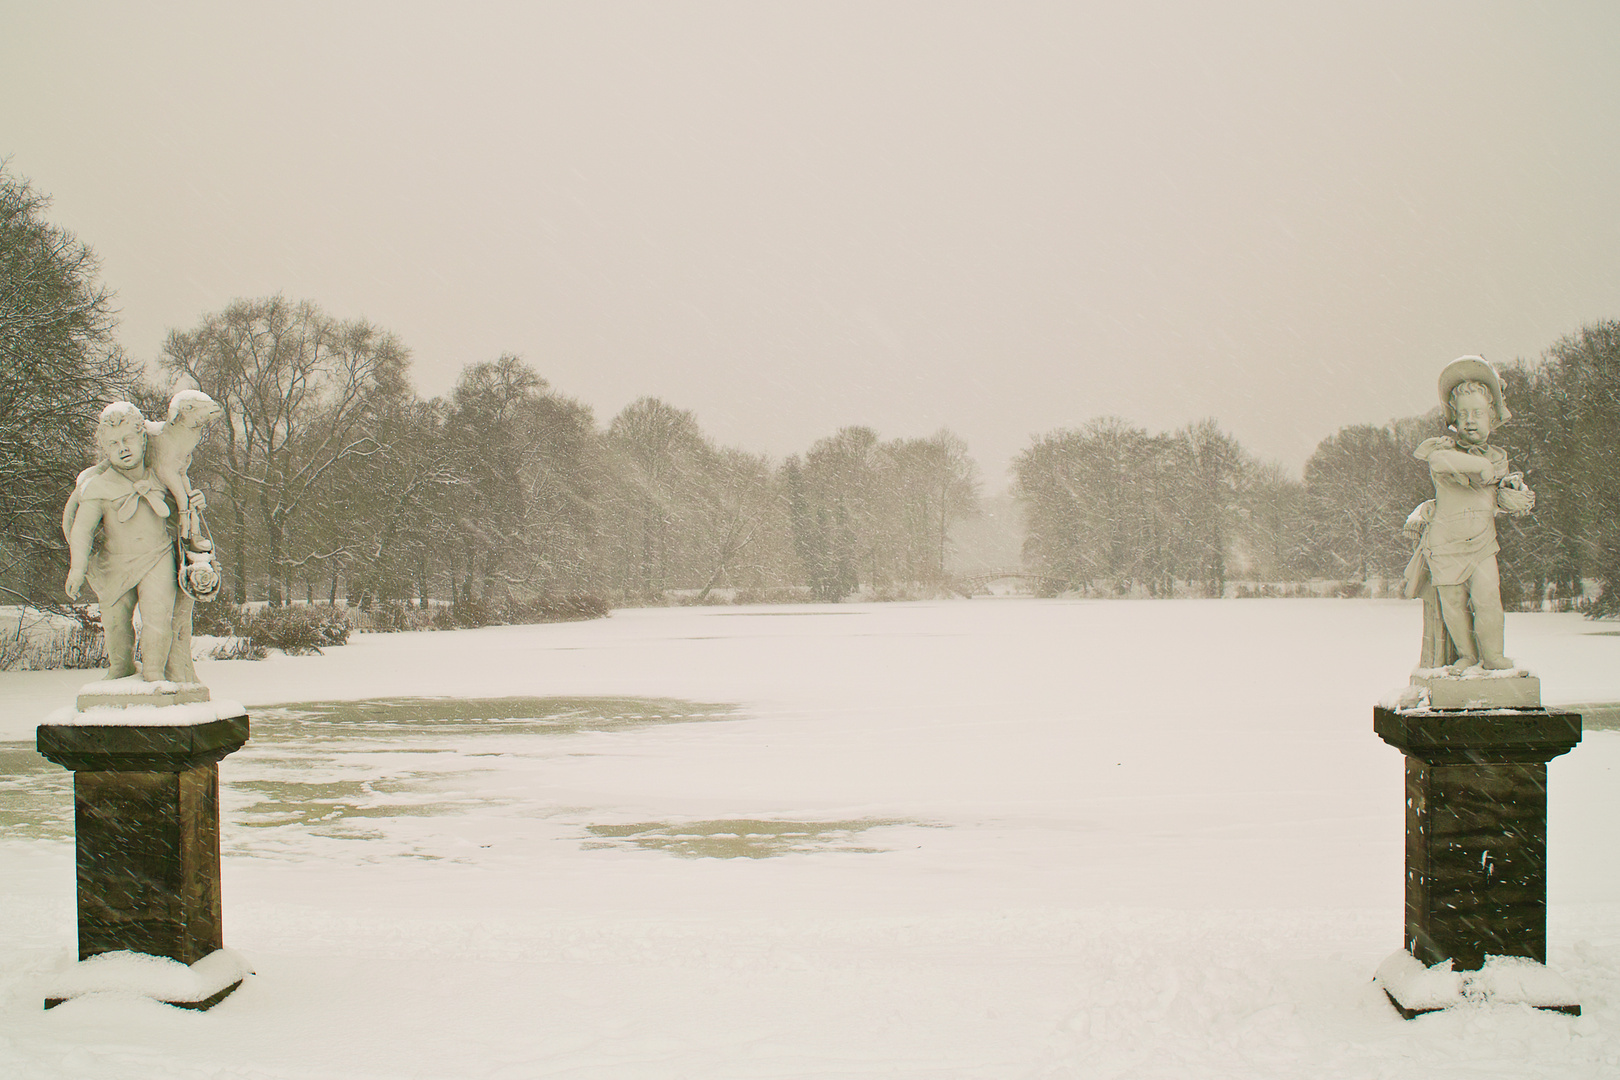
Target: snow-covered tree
<point>59,365</point>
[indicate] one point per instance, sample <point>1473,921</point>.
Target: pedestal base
<point>1476,852</point>
<point>1488,690</point>
<point>1503,980</point>
<point>134,690</point>
<point>199,986</point>
<point>146,825</point>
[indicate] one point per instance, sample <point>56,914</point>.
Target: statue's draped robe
<point>112,574</point>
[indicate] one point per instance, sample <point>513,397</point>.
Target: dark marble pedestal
<point>146,821</point>
<point>1476,830</point>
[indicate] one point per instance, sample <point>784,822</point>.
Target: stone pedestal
<point>1476,831</point>
<point>146,822</point>
<point>134,692</point>
<point>1520,690</point>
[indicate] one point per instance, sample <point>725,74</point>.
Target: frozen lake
<point>988,838</point>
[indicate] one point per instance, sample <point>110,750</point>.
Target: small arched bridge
<point>980,581</point>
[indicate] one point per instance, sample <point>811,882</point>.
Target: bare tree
<point>747,519</point>
<point>1210,466</point>
<point>1272,529</point>
<point>1360,484</point>
<point>299,390</point>
<point>664,467</point>
<point>525,500</point>
<point>58,366</point>
<point>935,484</point>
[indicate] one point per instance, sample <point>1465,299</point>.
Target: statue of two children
<point>138,502</point>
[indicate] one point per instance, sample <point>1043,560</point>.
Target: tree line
<point>329,477</point>
<point>1113,510</point>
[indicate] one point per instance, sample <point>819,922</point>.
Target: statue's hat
<point>1472,369</point>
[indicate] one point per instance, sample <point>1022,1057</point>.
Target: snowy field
<point>980,839</point>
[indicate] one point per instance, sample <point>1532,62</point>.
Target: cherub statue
<point>135,565</point>
<point>1454,567</point>
<point>168,453</point>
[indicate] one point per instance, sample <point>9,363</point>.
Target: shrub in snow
<point>295,630</point>
<point>539,609</point>
<point>49,648</point>
<point>232,648</point>
<point>215,619</point>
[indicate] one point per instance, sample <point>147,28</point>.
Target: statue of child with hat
<point>1456,553</point>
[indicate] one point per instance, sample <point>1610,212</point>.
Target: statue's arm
<point>72,507</point>
<point>1442,456</point>
<point>79,542</point>
<point>69,512</point>
<point>1460,464</point>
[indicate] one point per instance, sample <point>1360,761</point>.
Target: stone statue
<point>144,743</point>
<point>1454,568</point>
<point>169,450</point>
<point>147,558</point>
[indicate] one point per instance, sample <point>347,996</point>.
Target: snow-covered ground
<point>989,838</point>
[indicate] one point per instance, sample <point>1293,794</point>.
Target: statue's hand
<point>196,500</point>
<point>75,583</point>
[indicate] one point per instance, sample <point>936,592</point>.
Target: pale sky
<point>1000,218</point>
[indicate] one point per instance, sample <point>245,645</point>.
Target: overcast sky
<point>1000,218</point>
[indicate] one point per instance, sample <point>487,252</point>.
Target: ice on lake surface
<point>363,756</point>
<point>36,797</point>
<point>989,838</point>
<point>742,838</point>
<point>330,765</point>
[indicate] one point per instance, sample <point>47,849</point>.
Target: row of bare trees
<point>1111,509</point>
<point>866,512</point>
<point>330,477</point>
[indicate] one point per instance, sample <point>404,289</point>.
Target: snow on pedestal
<point>1502,980</point>
<point>201,985</point>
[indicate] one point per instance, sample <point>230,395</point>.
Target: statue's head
<point>1470,375</point>
<point>1472,411</point>
<point>193,408</point>
<point>121,435</point>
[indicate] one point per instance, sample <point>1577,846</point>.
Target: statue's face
<point>1474,416</point>
<point>124,446</point>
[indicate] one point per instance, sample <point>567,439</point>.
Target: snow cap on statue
<point>1472,369</point>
